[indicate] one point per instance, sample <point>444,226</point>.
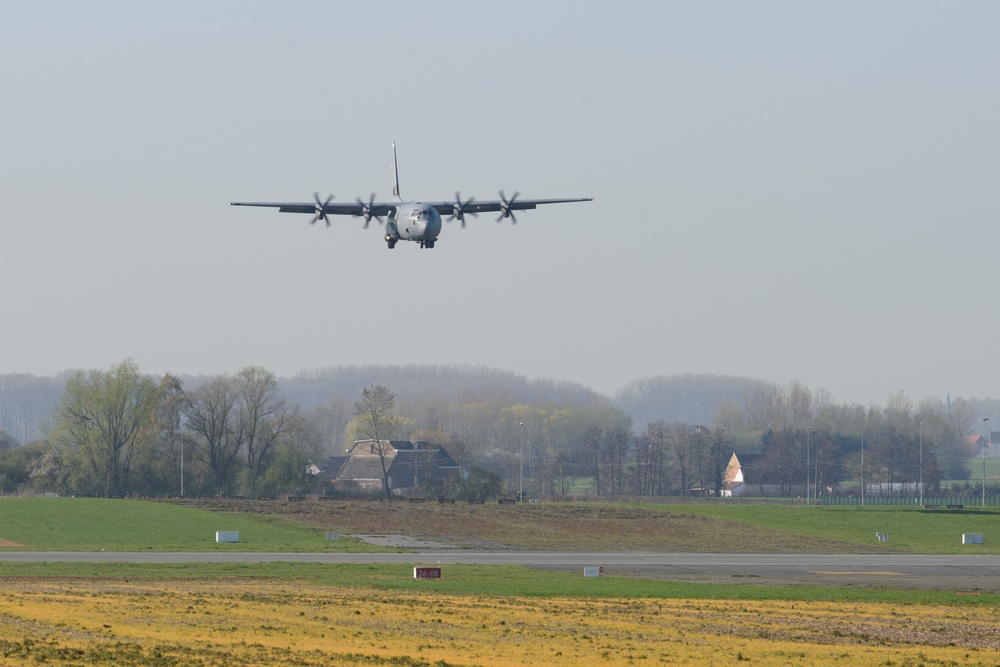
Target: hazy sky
<point>785,190</point>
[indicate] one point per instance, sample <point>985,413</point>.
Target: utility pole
<point>808,433</point>
<point>520,493</point>
<point>863,464</point>
<point>986,441</point>
<point>921,482</point>
<point>180,425</point>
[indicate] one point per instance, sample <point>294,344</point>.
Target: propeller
<point>505,210</point>
<point>458,209</point>
<point>321,210</point>
<point>366,210</point>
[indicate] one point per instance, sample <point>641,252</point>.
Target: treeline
<point>442,383</point>
<point>27,402</point>
<point>694,399</point>
<point>120,432</point>
<point>786,435</point>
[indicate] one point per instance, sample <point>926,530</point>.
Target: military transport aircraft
<point>410,221</point>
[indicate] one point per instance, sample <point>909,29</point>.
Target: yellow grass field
<point>62,621</point>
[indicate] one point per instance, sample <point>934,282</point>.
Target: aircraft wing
<point>381,209</point>
<point>337,208</point>
<point>513,204</point>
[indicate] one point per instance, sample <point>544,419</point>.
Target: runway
<point>962,572</point>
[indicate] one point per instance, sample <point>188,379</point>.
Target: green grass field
<point>95,524</point>
<point>492,580</point>
<point>64,524</point>
<point>92,524</point>
<point>975,465</point>
<point>910,529</point>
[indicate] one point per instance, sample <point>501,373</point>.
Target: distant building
<point>993,445</point>
<point>411,468</point>
<point>975,445</point>
<point>733,483</point>
<point>732,479</point>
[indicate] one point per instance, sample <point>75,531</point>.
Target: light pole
<point>816,478</point>
<point>863,464</point>
<point>520,492</point>
<point>808,433</point>
<point>921,482</point>
<point>180,426</point>
<point>985,446</point>
<point>182,467</point>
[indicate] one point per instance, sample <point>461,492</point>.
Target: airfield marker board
<point>426,573</point>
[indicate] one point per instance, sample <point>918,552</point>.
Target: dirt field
<point>548,526</point>
<point>260,622</point>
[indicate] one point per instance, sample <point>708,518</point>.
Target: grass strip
<point>96,524</point>
<point>498,581</point>
<point>911,529</point>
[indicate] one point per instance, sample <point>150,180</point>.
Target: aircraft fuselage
<point>413,222</point>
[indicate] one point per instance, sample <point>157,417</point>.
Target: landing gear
<point>391,243</point>
<point>427,244</point>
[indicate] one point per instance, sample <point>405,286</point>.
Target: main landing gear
<point>391,243</point>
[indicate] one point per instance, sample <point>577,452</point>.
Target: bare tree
<point>6,441</point>
<point>616,443</point>
<point>798,404</point>
<point>827,469</point>
<point>679,437</point>
<point>374,413</point>
<point>164,468</point>
<point>210,415</point>
<point>782,462</point>
<point>650,456</point>
<point>263,417</point>
<point>591,453</point>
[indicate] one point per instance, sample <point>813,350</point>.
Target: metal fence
<point>935,501</point>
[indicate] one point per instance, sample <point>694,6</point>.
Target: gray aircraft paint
<point>411,221</point>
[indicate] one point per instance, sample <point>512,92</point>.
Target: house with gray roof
<point>412,468</point>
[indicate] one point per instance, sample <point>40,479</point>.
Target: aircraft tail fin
<point>395,174</point>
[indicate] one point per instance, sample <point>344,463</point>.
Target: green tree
<point>402,428</point>
<point>17,464</point>
<point>102,423</point>
<point>481,485</point>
